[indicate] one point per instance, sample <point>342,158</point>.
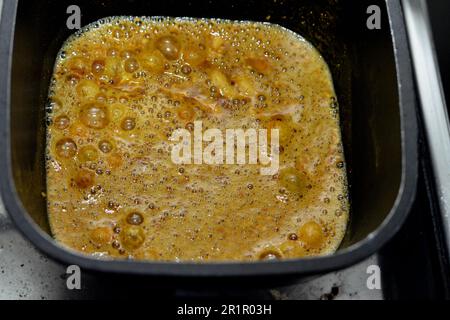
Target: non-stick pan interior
<point>361,60</point>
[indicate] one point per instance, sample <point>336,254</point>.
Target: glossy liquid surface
<point>124,85</point>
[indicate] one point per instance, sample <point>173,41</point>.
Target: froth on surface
<point>124,84</point>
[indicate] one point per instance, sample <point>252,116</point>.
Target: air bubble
<point>105,146</point>
<point>186,69</point>
<point>169,47</point>
<point>62,122</point>
<point>135,218</point>
<point>66,148</point>
<point>94,116</point>
<point>293,237</point>
<point>131,65</point>
<point>128,124</point>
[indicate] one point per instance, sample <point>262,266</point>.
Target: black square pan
<point>372,74</point>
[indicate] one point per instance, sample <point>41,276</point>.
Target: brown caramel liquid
<point>123,85</point>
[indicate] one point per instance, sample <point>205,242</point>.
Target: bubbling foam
<point>123,85</point>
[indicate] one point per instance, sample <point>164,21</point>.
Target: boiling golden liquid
<point>120,89</point>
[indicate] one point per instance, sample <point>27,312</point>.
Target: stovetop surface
<point>415,262</point>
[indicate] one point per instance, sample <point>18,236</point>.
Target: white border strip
<point>434,109</point>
